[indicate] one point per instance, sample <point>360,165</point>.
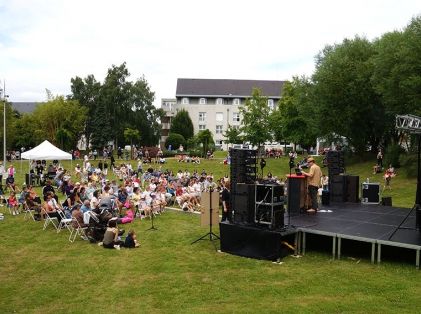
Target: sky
<point>45,43</point>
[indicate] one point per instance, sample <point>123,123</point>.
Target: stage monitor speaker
<point>370,193</point>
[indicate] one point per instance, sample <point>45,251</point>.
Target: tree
<point>293,119</point>
<point>347,103</point>
<point>396,73</point>
<point>205,137</point>
<point>116,97</point>
<point>182,124</point>
<point>233,135</point>
<point>60,121</point>
<point>145,116</point>
<point>101,127</point>
<point>124,104</point>
<point>255,123</point>
<point>86,91</point>
<point>131,135</point>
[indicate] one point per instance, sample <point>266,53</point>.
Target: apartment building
<point>214,104</point>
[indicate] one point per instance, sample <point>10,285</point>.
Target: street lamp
<point>4,121</point>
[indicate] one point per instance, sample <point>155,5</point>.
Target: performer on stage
<point>313,178</point>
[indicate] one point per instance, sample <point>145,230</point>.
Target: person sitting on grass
<point>377,169</point>
<point>110,240</point>
<point>131,240</point>
<point>128,218</point>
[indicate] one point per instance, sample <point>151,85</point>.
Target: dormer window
<point>219,101</point>
<point>202,101</point>
<point>236,101</point>
<point>271,104</point>
<point>185,101</point>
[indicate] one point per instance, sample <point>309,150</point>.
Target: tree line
<point>116,110</point>
<point>357,89</point>
<point>355,92</point>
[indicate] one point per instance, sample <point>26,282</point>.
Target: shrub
<point>409,163</point>
<point>391,156</point>
<point>175,140</point>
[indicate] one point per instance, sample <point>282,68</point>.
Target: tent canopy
<point>46,151</point>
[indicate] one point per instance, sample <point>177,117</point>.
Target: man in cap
<point>313,180</point>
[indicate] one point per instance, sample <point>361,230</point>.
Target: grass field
<point>41,272</point>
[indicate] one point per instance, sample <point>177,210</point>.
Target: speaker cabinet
<point>353,184</point>
<point>243,203</point>
<point>338,188</point>
<point>325,198</point>
<point>297,191</point>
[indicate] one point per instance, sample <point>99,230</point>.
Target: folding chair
<point>64,222</point>
<point>28,211</point>
<point>77,229</point>
<point>48,220</point>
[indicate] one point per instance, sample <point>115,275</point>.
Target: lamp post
<point>4,121</point>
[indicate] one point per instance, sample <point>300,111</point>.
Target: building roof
<point>226,88</point>
<point>24,107</point>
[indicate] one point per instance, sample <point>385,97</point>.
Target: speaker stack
<point>243,170</point>
<point>336,166</point>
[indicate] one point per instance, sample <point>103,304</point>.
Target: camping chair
<point>65,222</point>
<point>77,229</point>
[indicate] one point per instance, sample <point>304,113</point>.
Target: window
<point>236,101</point>
<point>202,101</point>
<point>236,117</point>
<point>219,101</point>
<point>271,104</point>
<point>218,129</point>
<point>185,101</point>
<point>219,117</point>
<point>219,142</point>
<point>202,116</point>
<point>202,127</point>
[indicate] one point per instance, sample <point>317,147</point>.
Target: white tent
<point>46,151</point>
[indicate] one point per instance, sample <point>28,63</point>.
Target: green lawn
<point>41,272</point>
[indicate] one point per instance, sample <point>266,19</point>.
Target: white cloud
<point>43,44</point>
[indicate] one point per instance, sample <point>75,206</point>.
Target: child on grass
<point>131,240</point>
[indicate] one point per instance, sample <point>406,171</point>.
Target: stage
<point>340,225</point>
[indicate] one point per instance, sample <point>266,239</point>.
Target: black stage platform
<point>353,222</point>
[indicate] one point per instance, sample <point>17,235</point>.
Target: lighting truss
<point>408,122</point>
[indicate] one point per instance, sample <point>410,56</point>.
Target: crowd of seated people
<point>187,158</point>
<point>273,153</point>
<point>93,200</point>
